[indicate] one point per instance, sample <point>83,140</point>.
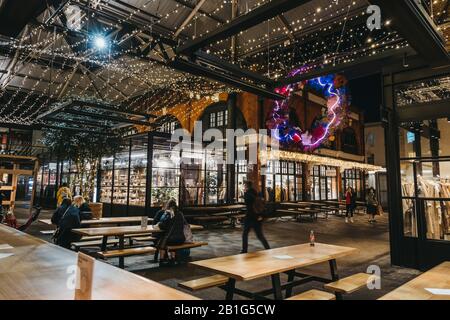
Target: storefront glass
<point>324,183</point>
<point>425,178</point>
<point>284,181</point>
<point>355,179</point>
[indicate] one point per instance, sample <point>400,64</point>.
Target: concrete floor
<point>371,239</point>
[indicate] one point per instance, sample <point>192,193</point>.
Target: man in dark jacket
<point>66,217</point>
<point>252,220</point>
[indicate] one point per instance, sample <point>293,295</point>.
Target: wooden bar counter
<point>40,270</point>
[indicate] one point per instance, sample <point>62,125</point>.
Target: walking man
<point>253,220</point>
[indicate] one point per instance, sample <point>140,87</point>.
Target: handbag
<point>380,211</point>
<point>57,232</point>
<point>188,236</point>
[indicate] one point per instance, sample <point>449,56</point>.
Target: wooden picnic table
<point>38,270</point>
<point>273,262</point>
<point>233,208</point>
<point>105,221</point>
<point>121,232</point>
<point>416,289</point>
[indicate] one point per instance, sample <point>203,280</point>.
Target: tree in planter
<point>84,150</point>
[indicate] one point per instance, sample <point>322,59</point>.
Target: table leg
<point>291,277</point>
<point>333,270</point>
<point>231,284</point>
<point>335,276</point>
<point>104,243</point>
<point>276,283</point>
<point>121,246</point>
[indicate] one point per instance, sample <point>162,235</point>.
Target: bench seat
<point>186,246</point>
<point>204,283</point>
<point>126,252</point>
<point>313,295</point>
<point>350,284</point>
<point>92,243</point>
<point>211,219</point>
<point>142,238</point>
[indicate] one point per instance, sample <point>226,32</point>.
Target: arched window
<point>349,141</point>
<point>167,124</point>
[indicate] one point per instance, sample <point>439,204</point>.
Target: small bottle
<point>312,239</point>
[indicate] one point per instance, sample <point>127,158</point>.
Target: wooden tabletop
<point>101,221</point>
<point>38,270</point>
<point>260,264</point>
<point>214,209</point>
<point>436,278</point>
<point>120,231</point>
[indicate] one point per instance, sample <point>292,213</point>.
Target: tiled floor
<point>371,239</point>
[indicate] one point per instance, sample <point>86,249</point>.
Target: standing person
<point>353,204</point>
<point>372,205</point>
<point>252,220</point>
<point>349,205</point>
<point>2,196</point>
<point>63,192</point>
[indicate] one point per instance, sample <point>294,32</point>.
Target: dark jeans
<point>350,210</point>
<point>252,223</point>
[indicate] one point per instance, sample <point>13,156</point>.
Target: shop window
<point>241,174</point>
<point>324,183</point>
<point>355,179</point>
<point>425,179</point>
<point>284,181</point>
<point>349,141</point>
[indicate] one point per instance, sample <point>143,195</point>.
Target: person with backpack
<point>66,217</point>
<point>253,218</point>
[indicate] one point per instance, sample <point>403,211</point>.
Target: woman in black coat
<point>66,217</point>
<point>172,223</point>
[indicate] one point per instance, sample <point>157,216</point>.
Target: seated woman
<point>173,224</point>
<point>66,217</point>
<point>83,207</point>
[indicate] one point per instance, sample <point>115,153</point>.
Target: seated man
<point>83,207</point>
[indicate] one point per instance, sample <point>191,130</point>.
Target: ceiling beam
<point>241,23</point>
<point>210,15</point>
<point>198,70</point>
<point>189,18</point>
<point>285,24</point>
<point>233,68</point>
<point>416,26</point>
<point>106,117</point>
<point>384,58</point>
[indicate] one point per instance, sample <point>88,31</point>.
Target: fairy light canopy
<point>118,50</point>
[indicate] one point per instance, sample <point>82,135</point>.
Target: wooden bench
<point>173,248</point>
<point>204,283</point>
<point>350,284</point>
<point>91,238</point>
<point>92,243</point>
<point>186,246</point>
<point>125,252</point>
<point>143,238</point>
<point>313,295</point>
<point>296,213</point>
<point>210,219</point>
